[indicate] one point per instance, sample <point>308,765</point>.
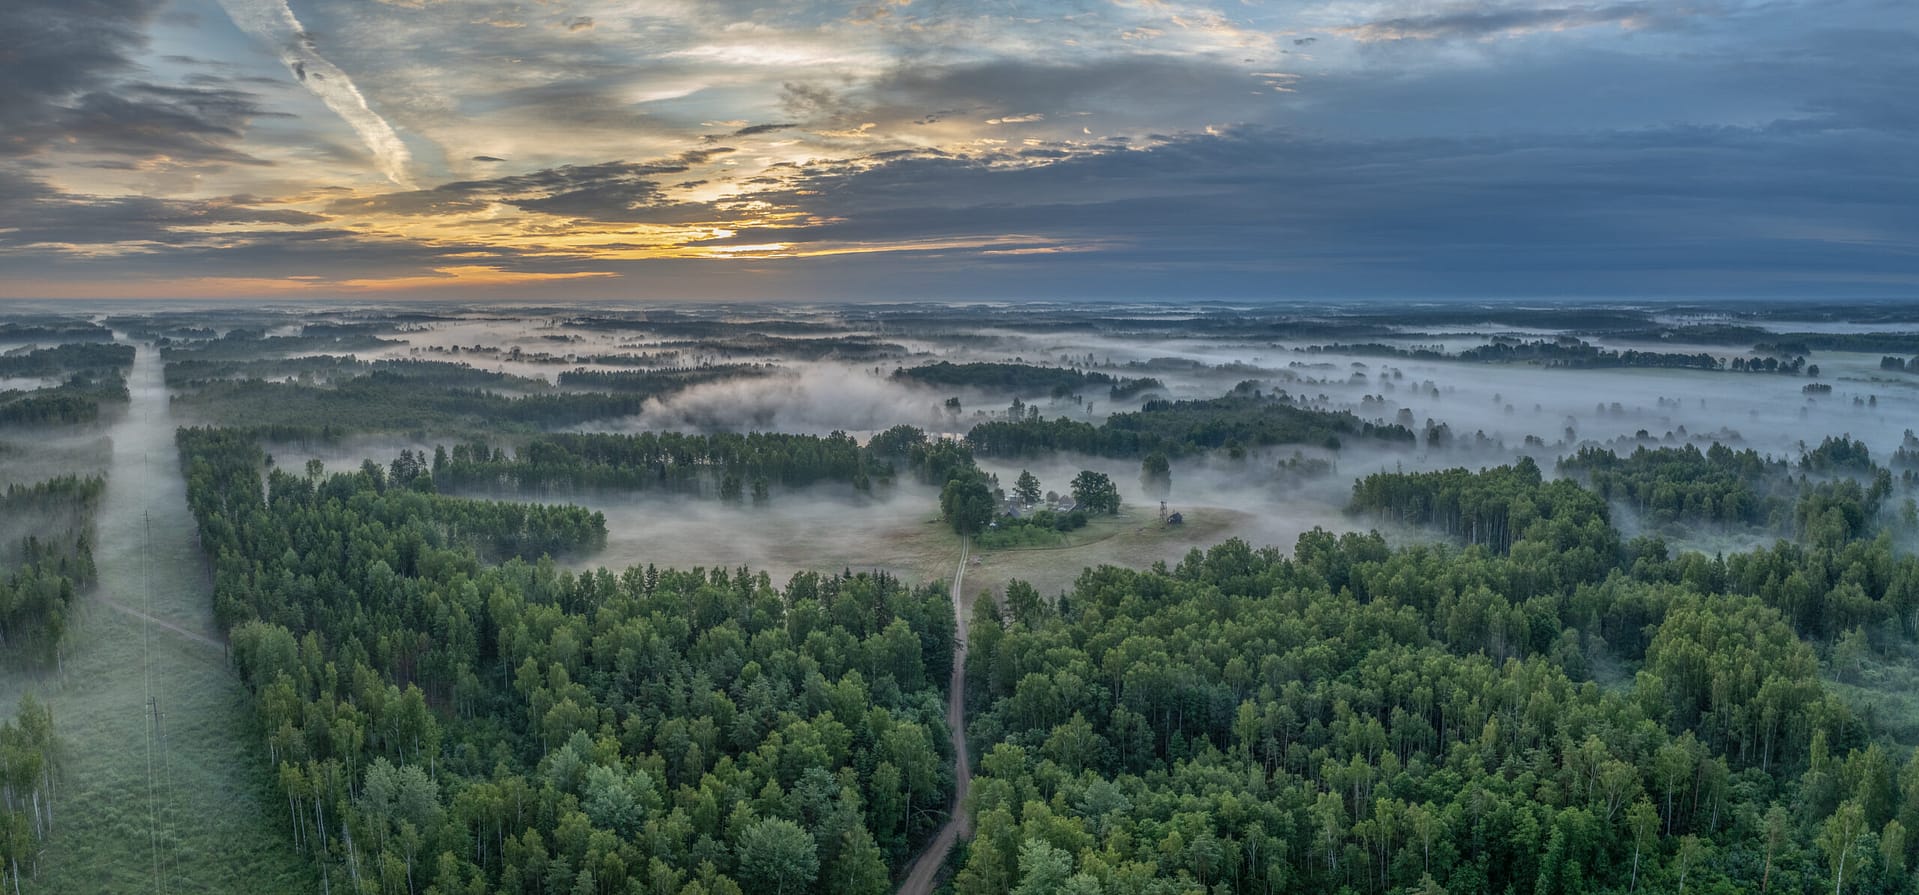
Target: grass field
<point>1134,538</point>
<point>184,804</point>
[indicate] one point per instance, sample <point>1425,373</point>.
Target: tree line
<point>396,399</point>
<point>77,400</point>
<point>245,344</point>
<point>89,357</point>
<point>1237,422</point>
<point>661,382</point>
<point>321,368</point>
<point>725,464</point>
<point>1025,380</point>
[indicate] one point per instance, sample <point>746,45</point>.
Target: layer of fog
<point>347,453</point>
<point>543,347</point>
<point>1490,409</point>
<point>1769,412</point>
<point>824,529</point>
<point>29,456</point>
<point>811,398</point>
<point>1263,505</point>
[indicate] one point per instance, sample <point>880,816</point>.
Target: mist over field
<point>1494,412</point>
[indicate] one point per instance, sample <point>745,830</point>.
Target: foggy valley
<point>593,447</point>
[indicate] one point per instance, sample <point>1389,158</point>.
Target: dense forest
<point>1236,422</point>
<point>444,725</point>
<point>1683,485</point>
<point>726,465</point>
<point>1360,718</point>
<point>58,330</point>
<point>60,360</point>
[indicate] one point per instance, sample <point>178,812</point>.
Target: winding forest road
<point>919,879</point>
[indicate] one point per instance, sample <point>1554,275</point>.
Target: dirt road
<point>919,880</point>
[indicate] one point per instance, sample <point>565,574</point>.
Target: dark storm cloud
<point>63,64</point>
<point>231,236</point>
<point>610,191</point>
<point>54,50</point>
<point>1473,23</point>
<point>1240,149</point>
<point>51,49</point>
<point>1048,87</point>
<point>39,215</point>
<point>145,120</point>
<point>1016,91</point>
<point>1671,205</point>
<point>753,129</point>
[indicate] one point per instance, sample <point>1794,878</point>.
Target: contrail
<point>273,21</point>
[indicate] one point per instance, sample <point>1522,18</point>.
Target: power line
<point>152,705</point>
<point>151,722</point>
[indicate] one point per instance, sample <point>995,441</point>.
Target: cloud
<point>273,22</point>
<point>753,129</point>
<point>821,397</point>
<point>39,215</point>
<point>1470,23</point>
<point>1689,208</point>
<point>1406,146</point>
<point>151,121</point>
<point>147,241</point>
<point>608,191</point>
<point>1160,91</point>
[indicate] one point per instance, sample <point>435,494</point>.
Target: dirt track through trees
<point>919,879</point>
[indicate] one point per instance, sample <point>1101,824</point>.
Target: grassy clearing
<point>1134,538</point>
<point>204,820</point>
<point>900,534</point>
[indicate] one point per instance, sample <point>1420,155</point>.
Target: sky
<point>901,149</point>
